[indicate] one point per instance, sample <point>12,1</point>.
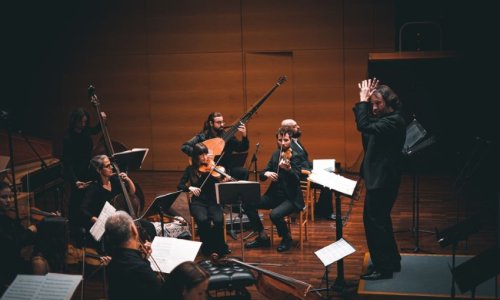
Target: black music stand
<point>238,192</point>
<point>130,160</point>
<point>416,140</point>
<point>160,205</point>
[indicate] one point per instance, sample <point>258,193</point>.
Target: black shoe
<point>375,275</point>
<point>258,243</point>
<point>285,245</point>
<point>395,268</point>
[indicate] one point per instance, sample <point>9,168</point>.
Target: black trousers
<point>281,207</point>
<point>382,245</point>
<point>212,237</point>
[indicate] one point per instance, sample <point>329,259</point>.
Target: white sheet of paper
<point>24,287</point>
<point>52,286</point>
<point>334,181</point>
<point>58,286</point>
<point>324,165</point>
<point>335,251</point>
<point>97,229</point>
<point>169,252</point>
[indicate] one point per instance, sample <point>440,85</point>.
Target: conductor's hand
<point>195,190</point>
<point>271,175</point>
<point>366,89</point>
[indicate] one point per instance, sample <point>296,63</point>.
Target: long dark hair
<point>206,126</point>
<point>390,97</point>
<point>76,116</point>
<point>184,277</point>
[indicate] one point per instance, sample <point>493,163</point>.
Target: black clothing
<point>383,139</point>
<point>95,198</point>
<point>77,152</point>
<point>205,210</point>
<point>233,145</point>
<point>130,276</point>
<point>298,148</point>
<point>14,237</point>
<point>283,196</point>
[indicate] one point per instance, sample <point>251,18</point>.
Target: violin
<point>214,170</point>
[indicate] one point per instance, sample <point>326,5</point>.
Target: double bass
<point>125,201</point>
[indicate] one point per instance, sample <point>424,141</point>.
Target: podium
<point>238,192</point>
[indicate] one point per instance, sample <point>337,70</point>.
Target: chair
<point>311,193</point>
<point>193,222</point>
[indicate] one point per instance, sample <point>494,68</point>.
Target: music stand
<point>415,142</point>
<point>130,160</point>
<point>238,192</point>
<point>160,205</point>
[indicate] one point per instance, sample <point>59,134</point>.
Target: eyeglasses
<point>107,166</point>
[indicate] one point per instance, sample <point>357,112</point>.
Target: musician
<point>283,195</point>
<point>106,188</point>
<point>324,207</point>
<point>203,205</point>
<point>383,131</point>
<point>187,281</point>
<point>214,127</point>
<point>129,272</point>
<point>14,237</point>
<point>77,152</point>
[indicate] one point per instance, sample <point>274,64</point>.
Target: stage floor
<point>422,276</point>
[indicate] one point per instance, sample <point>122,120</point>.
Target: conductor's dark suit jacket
<point>383,139</point>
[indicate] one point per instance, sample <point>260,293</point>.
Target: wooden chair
<point>311,193</point>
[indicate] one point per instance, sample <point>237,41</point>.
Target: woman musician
<point>107,188</point>
<point>198,180</point>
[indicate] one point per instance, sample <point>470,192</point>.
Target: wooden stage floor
<point>440,206</point>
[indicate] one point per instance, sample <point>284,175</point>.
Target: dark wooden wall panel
<point>160,67</point>
<point>285,25</point>
<point>184,89</point>
<point>194,26</point>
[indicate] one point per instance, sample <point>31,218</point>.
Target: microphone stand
<point>254,161</point>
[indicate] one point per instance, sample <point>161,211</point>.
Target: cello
<point>124,201</point>
<point>275,286</point>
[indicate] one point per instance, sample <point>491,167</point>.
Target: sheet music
<point>97,229</point>
<point>169,252</point>
<point>24,287</point>
<point>334,181</point>
<point>334,252</point>
<point>324,165</point>
<point>52,286</point>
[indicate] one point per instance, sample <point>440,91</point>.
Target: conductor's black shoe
<point>375,275</point>
<point>285,245</point>
<point>258,243</point>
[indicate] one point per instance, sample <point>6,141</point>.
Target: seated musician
<point>214,128</point>
<point>283,195</point>
<point>14,237</point>
<point>129,272</point>
<point>203,206</point>
<point>108,188</point>
<point>187,281</point>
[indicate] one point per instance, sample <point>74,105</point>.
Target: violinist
<point>129,272</point>
<point>214,127</point>
<point>106,188</point>
<point>77,152</point>
<point>283,195</point>
<point>14,237</point>
<point>203,207</point>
